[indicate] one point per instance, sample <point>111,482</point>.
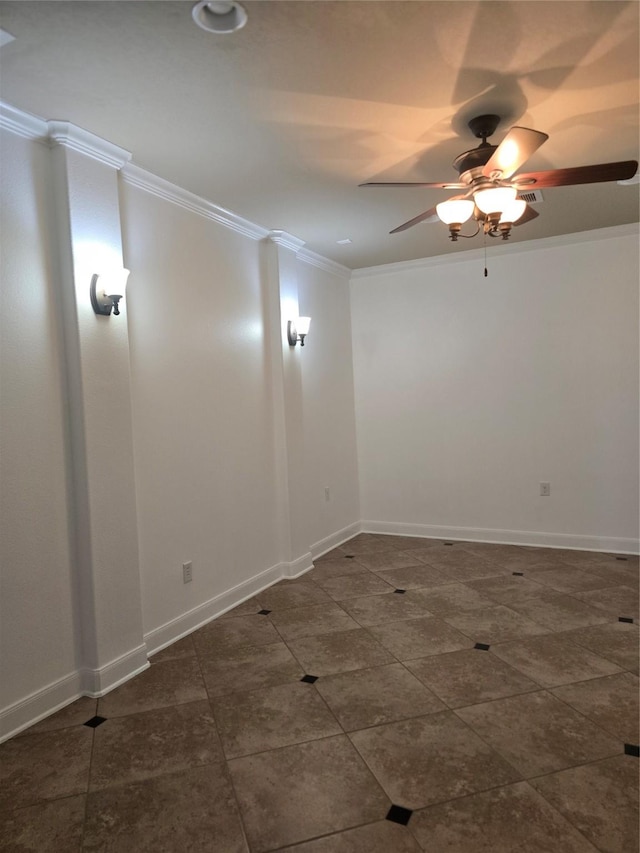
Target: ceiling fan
<point>487,174</point>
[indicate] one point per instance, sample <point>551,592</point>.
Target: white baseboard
<point>39,704</point>
<point>617,545</point>
<point>335,539</point>
<point>298,566</point>
<point>55,696</point>
<point>98,682</point>
<point>190,621</point>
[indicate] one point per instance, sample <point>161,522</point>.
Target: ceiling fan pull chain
<point>484,240</point>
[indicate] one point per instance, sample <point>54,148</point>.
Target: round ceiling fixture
<point>217,16</point>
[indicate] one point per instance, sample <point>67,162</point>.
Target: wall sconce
<point>107,289</point>
<point>297,330</point>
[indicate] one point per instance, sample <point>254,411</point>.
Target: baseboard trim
<point>40,704</point>
<point>98,682</point>
<point>190,621</point>
<point>335,539</point>
<point>297,567</point>
<point>617,545</point>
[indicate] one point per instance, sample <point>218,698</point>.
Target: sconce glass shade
<point>454,210</point>
<point>513,211</point>
<point>496,199</point>
<point>297,330</point>
<point>302,325</point>
<point>219,16</point>
<point>107,289</point>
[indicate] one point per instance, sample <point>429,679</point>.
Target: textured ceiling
<point>282,120</point>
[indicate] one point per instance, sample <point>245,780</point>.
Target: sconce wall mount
<point>102,301</point>
<point>297,330</point>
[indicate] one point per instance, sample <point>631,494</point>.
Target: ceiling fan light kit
<point>488,174</point>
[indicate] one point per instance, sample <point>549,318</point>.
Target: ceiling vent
<point>531,196</point>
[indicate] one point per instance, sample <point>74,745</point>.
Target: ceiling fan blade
<point>421,217</point>
<point>600,172</point>
<point>527,216</point>
<point>514,150</point>
<point>452,186</point>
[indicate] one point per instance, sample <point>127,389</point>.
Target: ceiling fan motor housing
<point>481,127</point>
<point>475,158</point>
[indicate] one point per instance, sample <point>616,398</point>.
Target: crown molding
<point>22,124</point>
<point>137,177</point>
<point>631,229</point>
<point>323,263</point>
<point>283,238</point>
<point>289,241</point>
<point>69,136</point>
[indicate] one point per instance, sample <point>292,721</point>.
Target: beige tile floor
<point>404,735</point>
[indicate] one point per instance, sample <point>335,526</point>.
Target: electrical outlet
<point>545,489</point>
<point>327,493</point>
<point>187,572</point>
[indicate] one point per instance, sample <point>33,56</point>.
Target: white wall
<point>202,414</point>
<point>470,391</point>
<point>206,363</point>
<point>330,452</point>
<point>37,623</point>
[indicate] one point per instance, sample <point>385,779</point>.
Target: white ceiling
<point>282,120</point>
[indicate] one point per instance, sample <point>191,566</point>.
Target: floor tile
<point>507,589</point>
<point>354,585</point>
<point>298,792</point>
<point>369,697</point>
<point>538,733</point>
<point>388,560</point>
<point>309,621</point>
<point>334,554</point>
<point>334,569</point>
<point>45,766</point>
<point>581,558</point>
<point>183,648</point>
<point>430,759</point>
<point>469,676</point>
<point>616,574</point>
<point>494,624</point>
<point>407,543</point>
<point>452,559</point>
<point>272,717</point>
<point>553,660</point>
<point>452,598</point>
<point>600,799</point>
<point>339,652</point>
<point>222,634</point>
<point>614,601</point>
<point>250,667</point>
<point>75,714</point>
<point>568,579</point>
<point>415,638</point>
<point>44,828</point>
<point>301,594</point>
<point>173,682</point>
<point>559,612</point>
<point>611,702</point>
<point>370,545</point>
<point>141,746</point>
<point>414,577</point>
<point>524,560</point>
<point>381,837</point>
<point>616,641</point>
<point>178,811</point>
<point>375,609</point>
<point>505,820</point>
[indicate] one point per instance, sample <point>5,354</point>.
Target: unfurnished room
<point>319,435</point>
